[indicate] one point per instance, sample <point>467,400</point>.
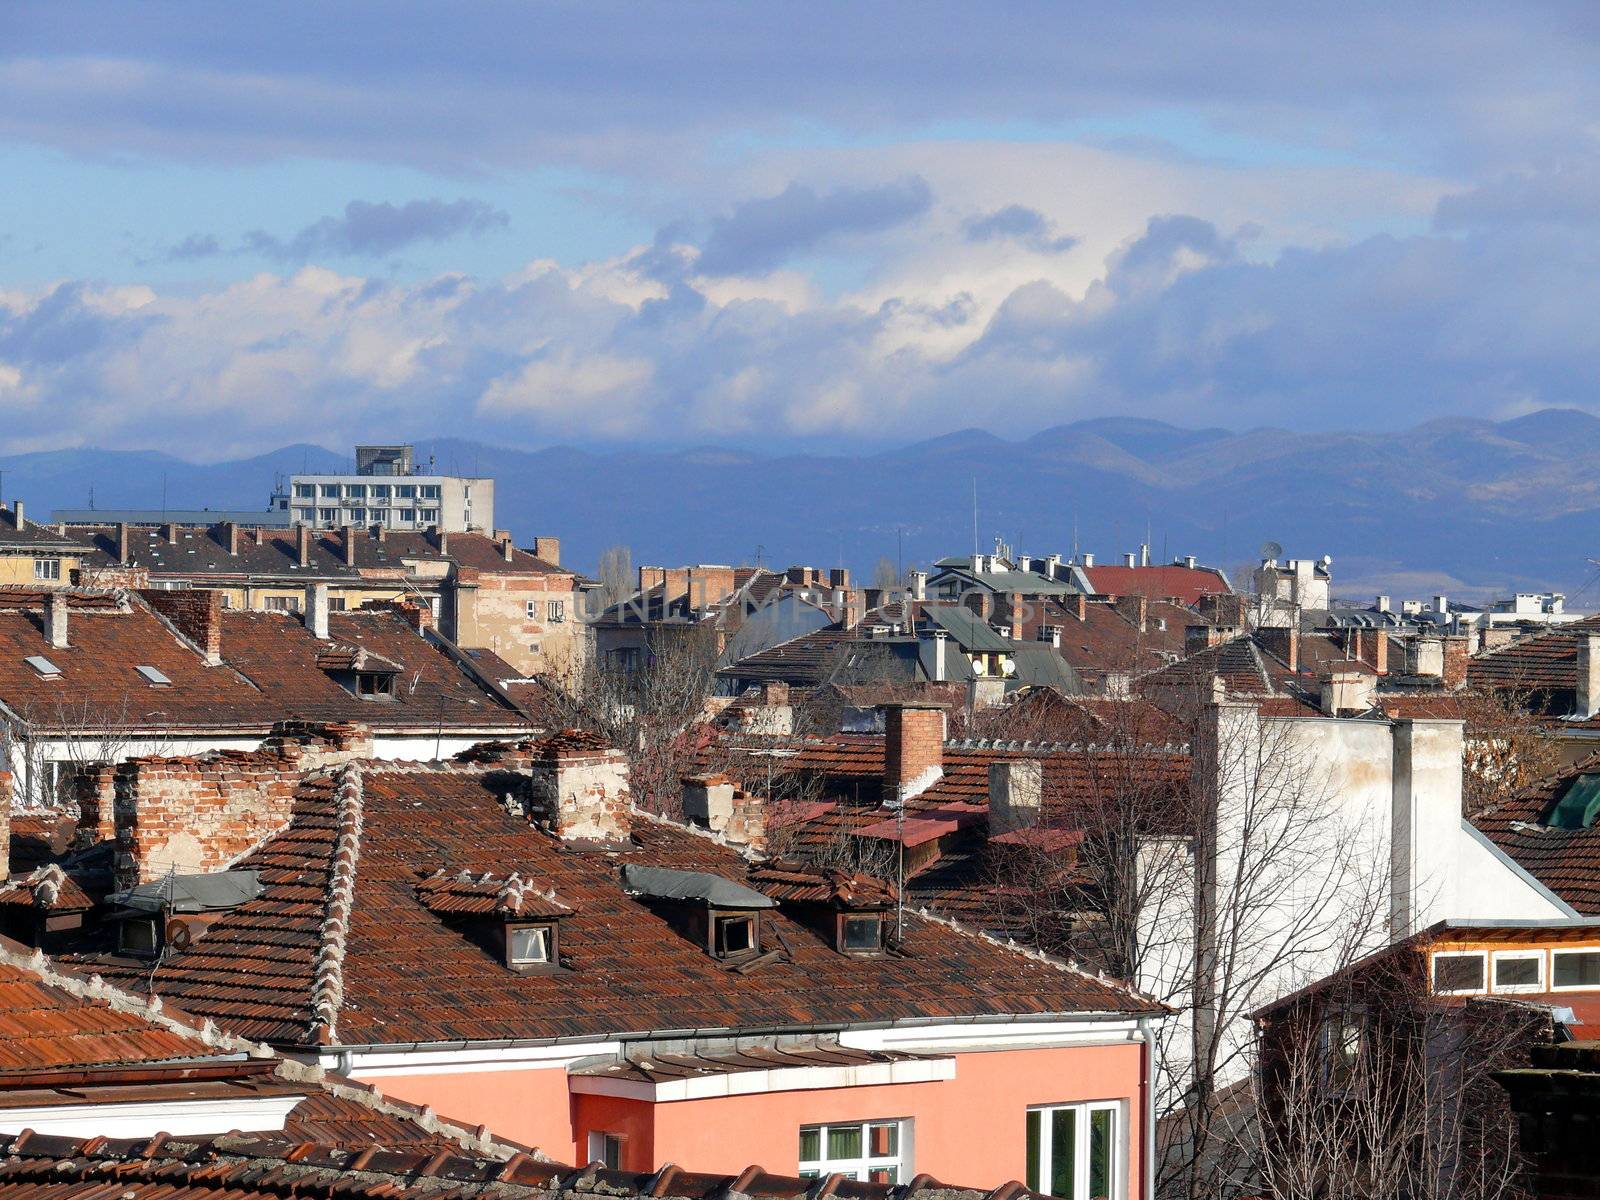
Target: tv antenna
<point>1271,549</point>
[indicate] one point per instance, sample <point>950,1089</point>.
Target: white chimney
<point>1052,565</point>
<point>55,620</point>
<point>941,641</point>
<point>317,611</point>
<point>1587,701</point>
<point>1382,604</point>
<point>919,585</point>
<point>1425,823</point>
<point>1016,791</point>
<point>1144,554</point>
<point>1441,604</point>
<point>1128,559</point>
<point>1088,560</point>
<point>1189,561</point>
<point>16,512</point>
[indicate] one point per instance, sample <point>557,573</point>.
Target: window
<point>307,515</point>
<point>1343,1034</point>
<point>358,516</point>
<point>330,491</point>
<point>735,935</point>
<point>138,936</point>
<point>429,491</point>
<point>328,515</point>
<point>1574,969</point>
<point>1459,971</point>
<point>408,514</point>
<point>154,677</point>
<point>605,1149</point>
<point>337,604</point>
<point>283,603</point>
<point>555,611</point>
<point>304,491</point>
<point>866,1151</point>
<point>43,665</point>
<point>356,491</point>
<point>863,934</point>
<point>373,685</point>
<point>528,945</point>
<point>1578,805</point>
<point>1519,970</point>
<point>429,515</point>
<point>1074,1150</point>
<point>405,490</point>
<point>380,491</point>
<point>47,568</point>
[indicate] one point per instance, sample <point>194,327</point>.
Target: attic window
<point>138,937</point>
<point>735,935</point>
<point>375,685</point>
<point>1578,806</point>
<point>861,933</point>
<point>153,677</point>
<point>530,945</point>
<point>43,665</point>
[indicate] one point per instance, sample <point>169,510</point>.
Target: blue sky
<point>784,226</point>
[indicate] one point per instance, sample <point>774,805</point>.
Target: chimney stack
<point>1453,668</point>
<point>919,585</point>
<point>317,611</point>
<point>347,537</point>
<point>441,539</point>
<point>17,514</point>
<point>55,620</point>
<point>913,748</point>
<point>194,612</point>
<point>1190,561</point>
<point>580,788</point>
<point>302,544</point>
<point>839,577</point>
<point>1088,561</point>
<point>1381,604</point>
<point>548,549</point>
<point>1015,604</point>
<point>1128,559</point>
<point>169,531</point>
<point>941,647</point>
<point>230,537</point>
<point>1587,700</point>
<point>5,824</point>
<point>507,550</point>
<point>1016,792</point>
<point>124,549</point>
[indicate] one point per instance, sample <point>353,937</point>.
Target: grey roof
<point>663,883</point>
<point>970,631</point>
<point>1043,665</point>
<point>192,893</point>
<point>163,516</point>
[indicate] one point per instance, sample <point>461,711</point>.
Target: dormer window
<point>530,945</point>
<point>849,910</point>
<point>138,937</point>
<point>861,933</point>
<point>375,685</point>
<point>735,935</point>
<point>721,916</point>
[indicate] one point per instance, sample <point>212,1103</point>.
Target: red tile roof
<point>1567,861</point>
<point>1175,582</point>
<point>255,970</point>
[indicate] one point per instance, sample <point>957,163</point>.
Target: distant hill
<point>1463,506</point>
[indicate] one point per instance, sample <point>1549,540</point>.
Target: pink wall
<point>968,1130</point>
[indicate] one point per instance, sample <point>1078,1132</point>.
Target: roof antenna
<point>974,516</point>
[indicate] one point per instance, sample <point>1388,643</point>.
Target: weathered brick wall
<point>94,788</point>
<point>495,617</point>
<point>583,796</point>
<point>914,745</point>
<point>196,613</point>
<point>5,823</point>
<point>200,813</point>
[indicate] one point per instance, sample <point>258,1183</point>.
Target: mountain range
<point>1466,507</point>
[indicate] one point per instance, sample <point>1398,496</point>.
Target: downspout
<point>1147,1175</point>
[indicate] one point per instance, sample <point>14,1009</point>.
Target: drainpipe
<point>1147,1176</point>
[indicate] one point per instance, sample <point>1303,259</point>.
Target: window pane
<point>1034,1148</point>
<point>883,1175</point>
<point>1063,1151</point>
<point>844,1141</point>
<point>1102,1141</point>
<point>810,1144</point>
<point>1578,808</point>
<point>1458,973</point>
<point>862,933</point>
<point>1576,968</point>
<point>530,945</point>
<point>885,1141</point>
<point>1516,972</point>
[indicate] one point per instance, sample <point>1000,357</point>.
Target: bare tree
<point>885,577</point>
<point>1507,746</point>
<point>50,742</point>
<point>616,575</point>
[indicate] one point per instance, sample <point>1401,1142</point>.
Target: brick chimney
<point>549,549</point>
<point>580,788</point>
<point>316,616</point>
<point>839,577</point>
<point>1136,609</point>
<point>94,786</point>
<point>380,533</point>
<point>302,544</point>
<point>196,613</point>
<point>1284,641</point>
<point>1080,606</point>
<point>441,539</point>
<point>229,531</point>
<point>347,541</point>
<point>713,802</point>
<point>1454,668</point>
<point>55,620</point>
<point>1014,600</point>
<point>507,550</point>
<point>1587,700</point>
<point>1016,792</point>
<point>169,531</point>
<point>124,550</point>
<point>913,748</point>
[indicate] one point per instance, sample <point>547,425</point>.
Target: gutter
<point>580,1039</point>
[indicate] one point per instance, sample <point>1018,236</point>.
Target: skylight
<point>43,665</point>
<point>1578,805</point>
<point>154,677</point>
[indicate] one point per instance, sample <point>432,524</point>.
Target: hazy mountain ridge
<point>1460,503</point>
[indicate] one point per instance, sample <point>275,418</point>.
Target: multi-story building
<point>388,490</point>
<point>33,555</point>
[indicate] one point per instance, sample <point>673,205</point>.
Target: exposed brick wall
<point>94,788</point>
<point>1454,674</point>
<point>914,735</point>
<point>197,614</point>
<point>5,824</point>
<point>583,795</point>
<point>202,812</point>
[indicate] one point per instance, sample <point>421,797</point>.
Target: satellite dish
<point>1271,550</point>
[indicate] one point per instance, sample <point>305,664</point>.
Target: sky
<point>225,228</point>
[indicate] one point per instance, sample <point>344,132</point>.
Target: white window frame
<point>533,610</point>
<point>597,1146</point>
<point>47,568</point>
<point>1500,956</point>
<point>555,611</point>
<point>1572,987</point>
<point>1433,972</point>
<point>1119,1146</point>
<point>860,1169</point>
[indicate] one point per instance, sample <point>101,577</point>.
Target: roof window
<point>722,916</point>
<point>1577,807</point>
<point>43,665</point>
<point>154,677</point>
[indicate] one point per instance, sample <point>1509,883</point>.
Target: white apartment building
<point>387,490</point>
